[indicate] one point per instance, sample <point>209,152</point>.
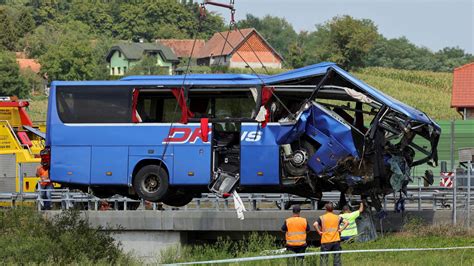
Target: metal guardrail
<point>63,199</point>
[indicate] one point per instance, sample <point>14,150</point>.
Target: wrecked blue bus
<point>171,138</point>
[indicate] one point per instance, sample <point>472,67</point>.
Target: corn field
<point>427,91</point>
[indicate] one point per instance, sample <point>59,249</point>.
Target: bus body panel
<point>260,165</point>
<point>72,164</point>
<point>192,165</point>
<point>109,165</point>
<point>259,156</point>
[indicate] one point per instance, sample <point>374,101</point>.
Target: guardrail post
<point>38,198</point>
<point>455,185</point>
<point>419,194</point>
<point>469,169</point>
<point>226,204</point>
<point>453,142</point>
<point>313,205</point>
<point>254,202</point>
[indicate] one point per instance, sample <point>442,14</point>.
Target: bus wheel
<point>177,199</point>
<point>151,183</point>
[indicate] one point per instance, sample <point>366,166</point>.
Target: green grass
<point>415,236</point>
<point>38,108</point>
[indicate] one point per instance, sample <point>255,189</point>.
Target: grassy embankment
<point>27,237</point>
<point>415,236</point>
<point>427,91</point>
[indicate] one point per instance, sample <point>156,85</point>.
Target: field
<point>427,91</point>
<point>417,236</point>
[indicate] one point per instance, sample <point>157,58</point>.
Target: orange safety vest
<point>43,175</point>
<point>296,234</point>
<point>329,227</point>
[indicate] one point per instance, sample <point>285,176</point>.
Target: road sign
<point>447,179</point>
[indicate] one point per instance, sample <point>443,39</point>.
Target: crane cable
<point>202,15</point>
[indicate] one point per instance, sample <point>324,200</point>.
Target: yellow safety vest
<point>351,229</point>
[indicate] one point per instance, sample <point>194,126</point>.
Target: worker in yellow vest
<point>296,229</point>
<point>350,217</point>
<point>328,227</point>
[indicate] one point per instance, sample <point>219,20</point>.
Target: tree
<point>210,24</point>
<point>147,19</point>
<point>75,57</point>
<point>343,40</point>
<point>25,22</point>
<point>11,82</point>
<point>8,37</point>
<point>95,14</point>
<point>402,54</point>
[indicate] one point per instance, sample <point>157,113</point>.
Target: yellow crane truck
<point>20,145</point>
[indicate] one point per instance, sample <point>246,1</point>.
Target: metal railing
<point>63,199</point>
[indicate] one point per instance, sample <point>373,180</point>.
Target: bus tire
<point>151,183</point>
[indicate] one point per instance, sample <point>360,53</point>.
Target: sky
<point>430,23</point>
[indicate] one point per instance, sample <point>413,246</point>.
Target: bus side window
<point>158,107</point>
<point>222,104</point>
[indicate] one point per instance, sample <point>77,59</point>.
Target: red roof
<point>182,48</point>
<point>463,86</point>
<point>215,46</point>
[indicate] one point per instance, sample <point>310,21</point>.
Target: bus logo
<point>182,135</point>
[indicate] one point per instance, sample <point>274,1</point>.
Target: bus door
<point>192,155</point>
<point>226,155</point>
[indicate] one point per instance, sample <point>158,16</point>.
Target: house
<point>463,91</point>
<point>182,48</point>
<point>125,55</point>
<point>246,46</point>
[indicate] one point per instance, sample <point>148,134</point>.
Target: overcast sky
<point>431,23</point>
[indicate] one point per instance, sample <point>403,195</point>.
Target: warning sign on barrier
<point>447,179</point>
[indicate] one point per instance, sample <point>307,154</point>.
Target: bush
<point>26,236</point>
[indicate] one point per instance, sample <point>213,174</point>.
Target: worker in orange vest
<point>295,229</point>
<point>328,227</point>
<point>45,184</point>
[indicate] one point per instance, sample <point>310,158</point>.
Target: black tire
<point>177,199</point>
<point>151,183</point>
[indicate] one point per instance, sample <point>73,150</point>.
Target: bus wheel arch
<point>151,180</point>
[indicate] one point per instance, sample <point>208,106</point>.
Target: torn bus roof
<point>284,78</point>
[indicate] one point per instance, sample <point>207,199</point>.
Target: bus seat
<point>24,139</point>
